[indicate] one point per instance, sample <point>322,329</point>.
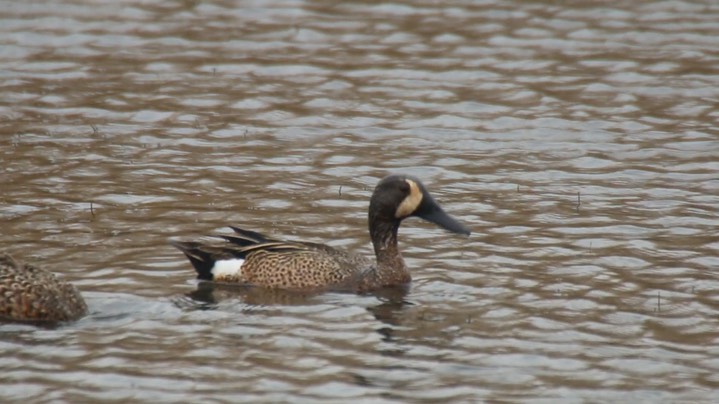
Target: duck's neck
<point>391,269</point>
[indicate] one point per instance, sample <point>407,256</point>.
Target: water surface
<point>578,142</point>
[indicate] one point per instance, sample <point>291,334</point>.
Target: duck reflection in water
<point>209,296</point>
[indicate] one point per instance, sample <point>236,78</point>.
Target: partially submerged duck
<point>30,294</point>
<point>248,257</point>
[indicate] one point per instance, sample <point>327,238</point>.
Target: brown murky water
<point>578,141</point>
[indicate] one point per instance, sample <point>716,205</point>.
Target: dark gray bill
<point>429,210</point>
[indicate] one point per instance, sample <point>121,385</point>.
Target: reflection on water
<point>209,295</point>
<point>577,140</point>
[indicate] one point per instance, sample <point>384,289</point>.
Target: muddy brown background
<point>577,139</point>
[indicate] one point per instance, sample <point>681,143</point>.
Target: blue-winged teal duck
<point>251,258</point>
<point>31,294</point>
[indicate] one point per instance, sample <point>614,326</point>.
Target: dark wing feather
<point>250,235</point>
<point>203,255</point>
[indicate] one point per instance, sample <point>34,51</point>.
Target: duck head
<point>398,197</point>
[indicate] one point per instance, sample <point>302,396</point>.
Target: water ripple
<point>578,142</point>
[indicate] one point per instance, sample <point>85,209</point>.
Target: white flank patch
<point>225,268</point>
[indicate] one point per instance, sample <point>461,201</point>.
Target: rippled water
<point>578,141</point>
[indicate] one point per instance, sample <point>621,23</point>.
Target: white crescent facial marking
<point>410,202</point>
<point>227,268</point>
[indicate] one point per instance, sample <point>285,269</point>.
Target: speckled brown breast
<point>312,267</point>
<point>28,293</point>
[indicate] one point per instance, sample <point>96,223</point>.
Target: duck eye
<point>404,187</point>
